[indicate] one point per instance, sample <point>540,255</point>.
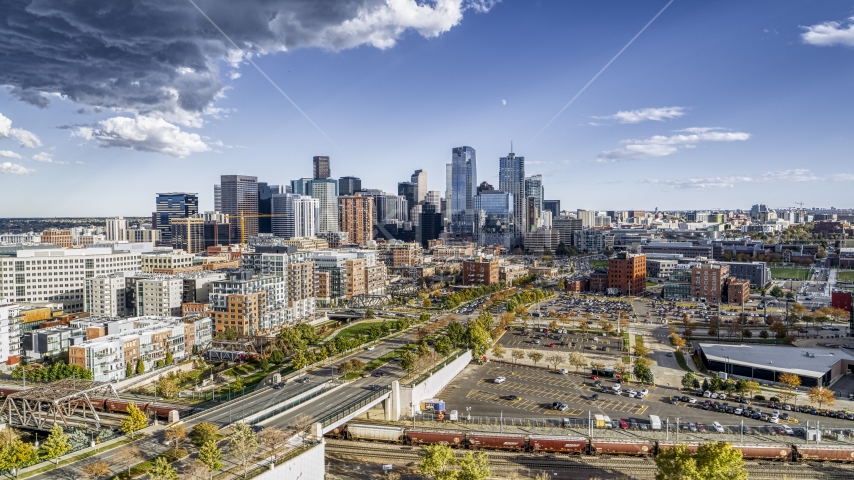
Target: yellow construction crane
<point>241,216</point>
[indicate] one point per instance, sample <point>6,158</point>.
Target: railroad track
<point>629,466</point>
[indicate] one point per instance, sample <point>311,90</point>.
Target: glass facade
<point>494,218</point>
<point>349,185</point>
<point>240,194</point>
<point>173,205</point>
<point>463,190</point>
<point>326,191</point>
<point>511,179</point>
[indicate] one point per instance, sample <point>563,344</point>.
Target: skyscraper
<point>349,185</point>
<point>434,197</point>
<point>356,214</point>
<point>410,191</point>
<point>326,192</point>
<point>117,228</point>
<point>430,224</point>
<point>552,206</point>
<point>265,205</point>
<point>449,176</point>
<point>494,218</point>
<point>463,190</point>
<point>511,179</point>
<point>299,186</point>
<point>303,215</point>
<point>217,198</point>
<point>173,205</point>
<point>534,192</point>
<point>321,168</point>
<point>419,178</point>
<point>240,195</point>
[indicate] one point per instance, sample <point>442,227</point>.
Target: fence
<point>287,405</point>
<point>353,406</point>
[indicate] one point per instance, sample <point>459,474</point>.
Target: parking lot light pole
<point>677,429</point>
<point>667,429</point>
<point>501,423</point>
<point>742,430</point>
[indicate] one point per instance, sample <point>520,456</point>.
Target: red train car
<point>424,437</point>
<point>621,447</point>
<point>767,452</point>
<point>692,447</point>
<point>496,441</point>
<point>162,411</point>
<point>5,391</point>
<point>544,443</point>
<point>337,431</point>
<point>121,406</point>
<point>815,452</point>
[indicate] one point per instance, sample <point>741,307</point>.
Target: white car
<point>630,390</point>
<point>787,429</point>
<point>707,394</point>
<point>692,400</point>
<point>774,419</point>
<point>371,347</point>
<point>717,427</point>
<point>616,387</point>
<point>715,395</point>
<point>500,379</point>
<point>644,392</point>
<point>632,394</point>
<point>564,371</point>
<point>595,339</point>
<point>722,396</point>
<point>641,395</point>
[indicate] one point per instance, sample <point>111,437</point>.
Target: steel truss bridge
<point>62,402</point>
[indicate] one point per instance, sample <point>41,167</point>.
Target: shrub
<point>774,399</point>
<point>761,398</point>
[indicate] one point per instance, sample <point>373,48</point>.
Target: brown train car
<point>337,431</point>
<point>544,443</point>
<point>767,452</point>
<point>121,406</point>
<point>6,391</point>
<point>422,437</point>
<point>692,447</point>
<point>621,447</point>
<point>496,441</point>
<point>815,452</point>
<point>162,411</point>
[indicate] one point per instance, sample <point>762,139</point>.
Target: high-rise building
<point>265,205</point>
<point>708,280</point>
<point>494,218</point>
<point>446,206</point>
<point>321,168</point>
<point>463,190</point>
<point>188,234</point>
<point>173,205</point>
<point>117,229</point>
<point>627,274</point>
<point>356,215</point>
<point>430,224</point>
<point>511,179</point>
<point>302,215</point>
<point>434,198</point>
<point>534,189</point>
<point>326,192</point>
<point>349,185</point>
<point>587,217</point>
<point>299,186</point>
<point>240,197</point>
<point>410,191</point>
<point>419,178</point>
<point>217,198</point>
<point>552,206</point>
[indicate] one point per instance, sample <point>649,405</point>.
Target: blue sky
<point>716,105</point>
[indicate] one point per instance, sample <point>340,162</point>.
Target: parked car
<point>500,379</point>
<point>718,427</point>
<point>692,426</point>
<point>594,397</point>
<point>701,428</point>
<point>563,371</point>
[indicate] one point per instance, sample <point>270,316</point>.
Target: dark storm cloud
<point>162,56</point>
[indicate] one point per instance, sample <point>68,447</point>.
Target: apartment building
<point>708,280</point>
<point>10,334</point>
<point>541,240</point>
<point>511,272</point>
<point>480,271</point>
<point>627,274</point>
<point>351,272</point>
<point>51,341</point>
<point>106,295</point>
<point>168,261</point>
<point>159,295</point>
<point>252,304</point>
<point>112,345</point>
<point>59,238</point>
<point>39,274</point>
<point>297,270</point>
<point>355,215</point>
<point>738,291</point>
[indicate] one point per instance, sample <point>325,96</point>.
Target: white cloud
<point>661,146</point>
<point>234,75</point>
<point>829,34</point>
<point>145,134</point>
<point>26,138</point>
<point>794,175</point>
<point>8,154</point>
<point>9,168</point>
<point>637,116</point>
<point>78,162</point>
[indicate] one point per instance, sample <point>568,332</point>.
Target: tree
<point>408,361</point>
<point>456,332</point>
<point>716,384</point>
<point>274,439</point>
<point>369,313</point>
<point>498,351</point>
<point>598,366</point>
<point>535,356</point>
<point>776,291</point>
<point>821,396</point>
<point>162,470</point>
<point>553,325</point>
<point>643,371</point>
<point>140,367</point>
<point>621,370</point>
<point>210,456</point>
<point>96,470</point>
<point>688,380</point>
<point>299,360</point>
<point>135,420</point>
<point>479,339</point>
<point>56,444</point>
<point>474,467</point>
<point>676,463</point>
<point>641,350</point>
<point>577,360</point>
<point>438,462</point>
<point>169,358</point>
<point>129,456</point>
<point>129,370</point>
<point>752,388</point>
<point>677,341</point>
<point>242,444</point>
<point>301,423</point>
<point>791,381</point>
<point>175,435</point>
<point>237,384</point>
<point>277,357</point>
<point>517,354</point>
<point>203,433</point>
<point>719,461</point>
<point>168,387</point>
<point>16,454</point>
<point>555,359</point>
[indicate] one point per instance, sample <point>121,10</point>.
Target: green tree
<point>162,470</point>
<point>237,385</point>
<point>479,339</point>
<point>17,454</point>
<point>438,462</point>
<point>676,463</point>
<point>706,385</point>
<point>299,361</point>
<point>203,433</point>
<point>643,371</point>
<point>264,364</point>
<point>210,456</point>
<point>716,384</point>
<point>456,332</point>
<point>135,420</point>
<point>688,380</point>
<point>169,358</point>
<point>776,291</point>
<point>277,357</point>
<point>175,434</point>
<point>407,361</point>
<point>242,444</point>
<point>535,356</point>
<point>424,317</point>
<point>719,461</point>
<point>129,370</point>
<point>140,367</point>
<point>369,313</point>
<point>443,346</point>
<point>56,444</point>
<point>474,467</point>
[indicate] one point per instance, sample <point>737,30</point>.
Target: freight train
<point>578,444</point>
<point>120,406</point>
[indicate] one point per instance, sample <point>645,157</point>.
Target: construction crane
<point>799,203</point>
<point>241,216</point>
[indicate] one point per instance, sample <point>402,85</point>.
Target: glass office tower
<point>463,190</point>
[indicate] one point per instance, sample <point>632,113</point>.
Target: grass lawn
<point>594,264</point>
<point>361,328</point>
<point>789,272</point>
<point>846,276</point>
<point>680,359</point>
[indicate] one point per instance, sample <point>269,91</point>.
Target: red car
<point>551,345</point>
<point>594,377</point>
<point>624,425</point>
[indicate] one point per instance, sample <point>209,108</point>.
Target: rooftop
<point>777,357</point>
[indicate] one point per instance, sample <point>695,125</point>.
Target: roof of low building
<point>807,362</point>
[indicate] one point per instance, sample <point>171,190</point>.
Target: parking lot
<point>569,342</point>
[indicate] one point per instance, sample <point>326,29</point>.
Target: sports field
<point>787,272</point>
<point>845,276</point>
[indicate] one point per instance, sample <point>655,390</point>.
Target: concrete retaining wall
<point>411,396</point>
<point>309,465</point>
<point>149,377</point>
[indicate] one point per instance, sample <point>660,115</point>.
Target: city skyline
<point>652,131</point>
